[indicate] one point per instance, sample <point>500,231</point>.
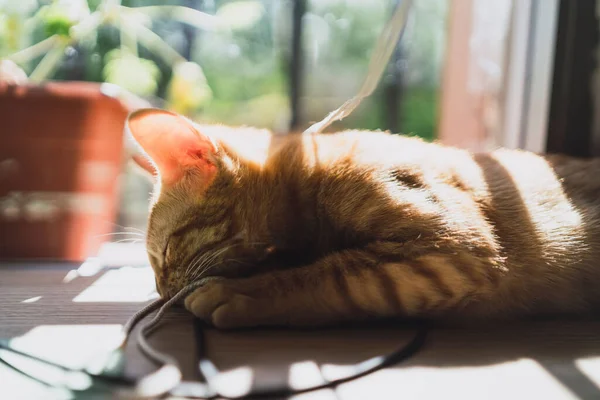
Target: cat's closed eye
<point>167,253</point>
<point>153,258</point>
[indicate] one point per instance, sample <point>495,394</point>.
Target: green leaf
<point>22,7</point>
<point>58,17</point>
<point>56,23</point>
<point>240,15</point>
<point>188,90</point>
<point>137,75</point>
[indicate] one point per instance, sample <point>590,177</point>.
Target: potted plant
<point>62,144</point>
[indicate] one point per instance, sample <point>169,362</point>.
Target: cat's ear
<point>144,164</point>
<point>173,143</point>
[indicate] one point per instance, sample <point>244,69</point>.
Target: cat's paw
<point>224,304</point>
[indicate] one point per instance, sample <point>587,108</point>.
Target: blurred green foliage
<point>241,75</point>
<point>245,69</point>
<point>419,112</point>
<point>340,37</point>
<point>133,73</point>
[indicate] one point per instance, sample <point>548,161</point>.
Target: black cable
<point>209,371</point>
<point>205,367</point>
<point>105,377</point>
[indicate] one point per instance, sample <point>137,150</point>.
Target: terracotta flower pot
<point>61,149</point>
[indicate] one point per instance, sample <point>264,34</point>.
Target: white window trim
<point>529,75</point>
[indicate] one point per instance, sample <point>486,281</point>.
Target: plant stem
<point>49,63</point>
<point>56,50</point>
<point>128,36</point>
<point>36,50</point>
<point>154,43</point>
<point>187,15</point>
<point>87,26</point>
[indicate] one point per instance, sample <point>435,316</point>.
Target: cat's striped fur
<point>317,229</point>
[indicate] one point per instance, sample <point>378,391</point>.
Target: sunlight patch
<point>70,276</point>
<point>121,254</point>
<point>90,267</point>
<point>235,382</point>
<point>514,379</point>
<point>70,345</point>
<point>590,367</point>
<point>32,299</point>
<point>304,374</point>
<point>73,346</point>
<point>126,285</point>
<point>14,382</point>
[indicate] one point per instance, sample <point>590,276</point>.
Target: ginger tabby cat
<point>310,230</point>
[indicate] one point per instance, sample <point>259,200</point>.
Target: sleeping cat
<point>316,229</point>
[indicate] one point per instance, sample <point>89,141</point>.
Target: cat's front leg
<point>348,285</point>
<point>229,303</point>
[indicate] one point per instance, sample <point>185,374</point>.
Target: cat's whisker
<point>131,228</point>
<point>206,271</point>
<point>192,264</point>
<point>240,262</point>
<point>189,264</point>
<point>130,233</point>
<point>205,266</point>
<point>199,260</point>
<point>133,241</point>
<point>210,267</point>
<point>135,234</point>
<point>126,227</point>
<point>202,272</point>
<point>200,264</point>
<point>209,259</point>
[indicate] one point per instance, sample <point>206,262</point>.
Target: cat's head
<point>198,222</point>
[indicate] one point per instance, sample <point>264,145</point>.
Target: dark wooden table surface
<point>51,311</point>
